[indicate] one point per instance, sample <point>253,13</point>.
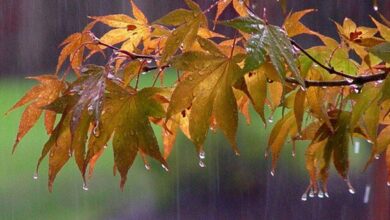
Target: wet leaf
<point>187,24</point>
<point>127,30</point>
<point>47,91</point>
<point>279,134</point>
<point>207,90</point>
<point>269,38</point>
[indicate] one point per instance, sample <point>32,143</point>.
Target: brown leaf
<point>38,97</point>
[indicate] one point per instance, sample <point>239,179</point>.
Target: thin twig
<point>330,70</point>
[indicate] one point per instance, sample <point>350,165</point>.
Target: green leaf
<point>206,89</point>
<point>270,39</point>
<point>363,101</point>
<point>187,24</point>
<point>382,51</point>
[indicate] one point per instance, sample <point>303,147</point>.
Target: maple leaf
<point>126,114</point>
<point>268,40</point>
<point>207,90</point>
<point>187,23</point>
<point>130,31</point>
<point>238,5</point>
<point>74,47</point>
<point>48,90</point>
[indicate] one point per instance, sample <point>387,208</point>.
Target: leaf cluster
<point>327,97</point>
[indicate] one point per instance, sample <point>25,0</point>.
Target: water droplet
<point>201,163</point>
<point>376,156</point>
<point>350,187</point>
<point>293,153</point>
<point>302,88</point>
<point>96,130</point>
<point>311,194</point>
<point>149,61</point>
<point>202,155</point>
<point>90,109</point>
<point>266,154</point>
<point>272,172</point>
<point>105,146</point>
<point>147,166</point>
<point>304,197</point>
<point>326,194</point>
<point>164,167</point>
<point>35,176</point>
<point>320,194</point>
<point>85,187</point>
<point>388,183</point>
<point>376,8</point>
<point>190,78</point>
<point>269,80</point>
<point>70,153</point>
<point>271,119</point>
<point>349,80</point>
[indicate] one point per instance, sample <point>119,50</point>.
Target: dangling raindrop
<point>164,167</point>
<point>149,61</point>
<point>147,166</point>
<point>304,197</point>
<point>388,183</point>
<point>202,155</point>
<point>376,156</point>
<point>96,130</point>
<point>90,109</point>
<point>326,194</point>
<point>320,194</point>
<point>311,194</point>
<point>269,80</point>
<point>85,187</point>
<point>272,172</point>
<point>375,5</point>
<point>350,187</point>
<point>266,154</point>
<point>202,164</point>
<point>105,146</point>
<point>35,176</point>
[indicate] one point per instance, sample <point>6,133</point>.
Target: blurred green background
<point>228,187</point>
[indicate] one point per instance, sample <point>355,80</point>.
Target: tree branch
<point>330,70</point>
<point>358,80</point>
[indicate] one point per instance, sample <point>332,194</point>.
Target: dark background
<point>230,187</point>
